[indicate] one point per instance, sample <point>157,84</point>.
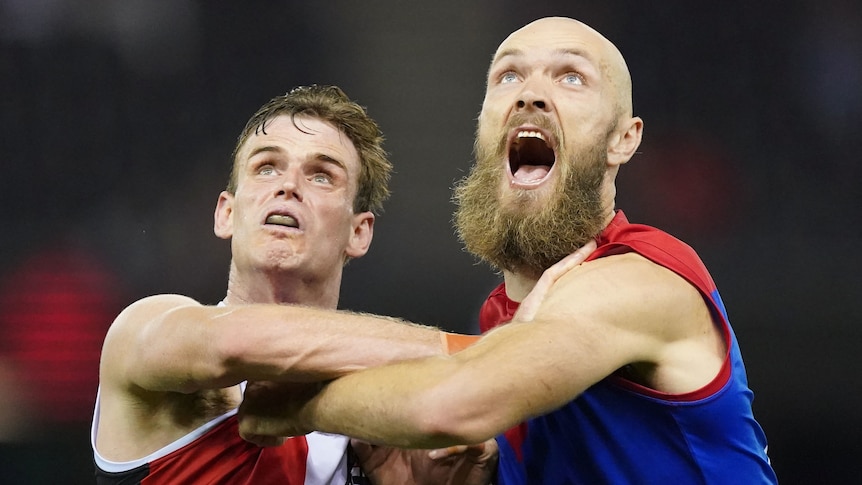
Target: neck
<point>279,287</point>
<point>520,283</point>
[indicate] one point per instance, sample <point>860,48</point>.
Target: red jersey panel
<point>216,454</point>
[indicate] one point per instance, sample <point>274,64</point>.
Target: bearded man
<point>513,229</point>
<point>623,369</point>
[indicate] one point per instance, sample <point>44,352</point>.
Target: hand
<point>528,308</point>
<point>456,465</point>
<point>268,412</point>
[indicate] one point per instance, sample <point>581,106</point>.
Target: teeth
<point>281,220</point>
<point>531,134</point>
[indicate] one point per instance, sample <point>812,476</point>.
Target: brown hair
<point>331,105</point>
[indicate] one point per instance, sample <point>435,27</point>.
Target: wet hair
<point>331,105</point>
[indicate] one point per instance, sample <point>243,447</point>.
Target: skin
<point>596,318</point>
<point>170,364</point>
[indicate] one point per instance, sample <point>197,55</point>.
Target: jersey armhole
<point>710,389</point>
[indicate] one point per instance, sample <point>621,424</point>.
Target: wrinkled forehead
<point>302,137</point>
<point>559,34</point>
<point>548,37</point>
<point>304,131</point>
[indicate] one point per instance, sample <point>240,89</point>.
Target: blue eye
<point>266,170</point>
<point>508,77</point>
<point>321,178</point>
<point>573,78</point>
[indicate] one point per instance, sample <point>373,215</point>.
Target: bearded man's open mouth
<point>531,156</point>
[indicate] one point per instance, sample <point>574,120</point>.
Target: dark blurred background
<point>119,117</point>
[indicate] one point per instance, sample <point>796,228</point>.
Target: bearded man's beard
<point>511,236</point>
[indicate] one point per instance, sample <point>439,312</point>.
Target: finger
<point>490,450</point>
<point>530,306</point>
<point>570,261</point>
<point>440,453</point>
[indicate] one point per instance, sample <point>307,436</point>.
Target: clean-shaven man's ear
<point>223,217</point>
<point>361,235</point>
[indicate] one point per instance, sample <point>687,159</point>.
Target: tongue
<point>531,173</point>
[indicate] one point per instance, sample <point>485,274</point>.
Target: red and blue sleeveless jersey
<point>619,432</point>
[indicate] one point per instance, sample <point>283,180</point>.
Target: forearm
<point>189,346</point>
<point>510,375</point>
<point>308,344</point>
<point>428,403</point>
<point>390,405</point>
<point>397,405</point>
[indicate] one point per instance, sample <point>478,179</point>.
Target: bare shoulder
<point>152,306</point>
<point>136,418</point>
<point>653,318</point>
<point>123,334</point>
<point>632,288</point>
<point>627,299</point>
<point>148,309</point>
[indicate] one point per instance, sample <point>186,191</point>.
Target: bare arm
<point>597,318</point>
<point>173,343</point>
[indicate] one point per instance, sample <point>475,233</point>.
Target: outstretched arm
<point>173,343</point>
<point>596,319</point>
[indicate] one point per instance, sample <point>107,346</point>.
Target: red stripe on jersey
<point>222,457</point>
